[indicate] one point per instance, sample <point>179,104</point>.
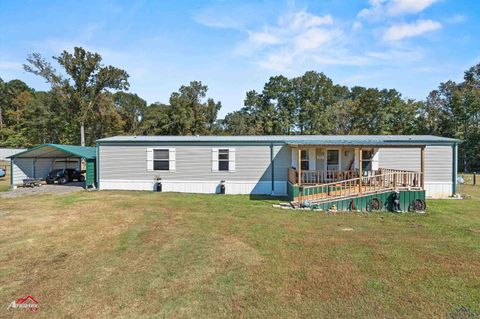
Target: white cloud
<point>301,40</point>
<point>297,36</point>
<point>356,26</point>
<point>314,38</point>
<point>381,8</point>
<point>407,30</point>
<point>303,20</point>
<point>263,37</point>
<point>278,61</point>
<point>398,7</point>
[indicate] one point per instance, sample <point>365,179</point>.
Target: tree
<point>211,113</point>
<point>131,109</point>
<point>189,114</point>
<point>155,120</point>
<point>87,80</point>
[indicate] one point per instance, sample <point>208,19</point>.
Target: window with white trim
<point>367,158</point>
<point>161,160</point>
<point>223,159</point>
<point>304,160</point>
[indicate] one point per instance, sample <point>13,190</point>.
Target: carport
<point>38,161</point>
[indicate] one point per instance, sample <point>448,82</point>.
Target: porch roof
<point>374,140</point>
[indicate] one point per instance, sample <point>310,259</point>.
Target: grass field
<point>4,185</point>
<point>152,255</point>
<point>5,181</point>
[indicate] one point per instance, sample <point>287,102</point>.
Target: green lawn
<point>4,185</point>
<point>5,181</point>
<point>152,255</point>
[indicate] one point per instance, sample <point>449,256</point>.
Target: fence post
<point>474,178</point>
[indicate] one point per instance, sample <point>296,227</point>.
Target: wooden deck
<point>382,181</point>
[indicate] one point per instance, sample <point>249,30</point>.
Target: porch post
<point>454,168</point>
<point>360,169</point>
<point>299,165</point>
<point>422,167</point>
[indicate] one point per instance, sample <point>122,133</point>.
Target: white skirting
<point>438,189</point>
<point>207,187</point>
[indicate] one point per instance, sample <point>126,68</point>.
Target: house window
<point>304,161</point>
<point>333,160</point>
<point>161,160</point>
<point>367,157</point>
<point>223,159</point>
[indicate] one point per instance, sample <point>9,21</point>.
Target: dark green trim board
<point>97,166</point>
<point>272,165</point>
<point>12,162</point>
<point>454,168</point>
<point>90,172</point>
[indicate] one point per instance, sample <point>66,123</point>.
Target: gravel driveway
<point>44,189</point>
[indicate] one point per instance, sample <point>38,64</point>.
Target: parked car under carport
<point>39,161</point>
<point>65,175</point>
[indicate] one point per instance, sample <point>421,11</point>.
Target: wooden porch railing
<point>382,181</point>
<point>403,178</point>
<point>320,177</point>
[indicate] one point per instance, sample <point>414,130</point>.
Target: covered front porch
<point>323,172</point>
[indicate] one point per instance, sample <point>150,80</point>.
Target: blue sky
<point>235,46</point>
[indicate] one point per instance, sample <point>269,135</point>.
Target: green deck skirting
<point>360,202</point>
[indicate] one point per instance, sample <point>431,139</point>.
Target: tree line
<point>89,100</point>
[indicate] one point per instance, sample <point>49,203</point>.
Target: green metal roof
<point>57,151</point>
<point>290,139</point>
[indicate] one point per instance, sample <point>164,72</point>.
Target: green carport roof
<point>57,151</point>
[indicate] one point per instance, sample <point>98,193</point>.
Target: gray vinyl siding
<point>399,158</point>
<point>193,163</point>
<point>438,164</point>
<point>347,161</point>
<point>438,161</point>
<point>282,161</point>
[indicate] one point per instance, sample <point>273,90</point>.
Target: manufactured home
<point>298,166</point>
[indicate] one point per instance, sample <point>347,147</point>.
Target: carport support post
<point>34,167</point>
<point>12,162</point>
